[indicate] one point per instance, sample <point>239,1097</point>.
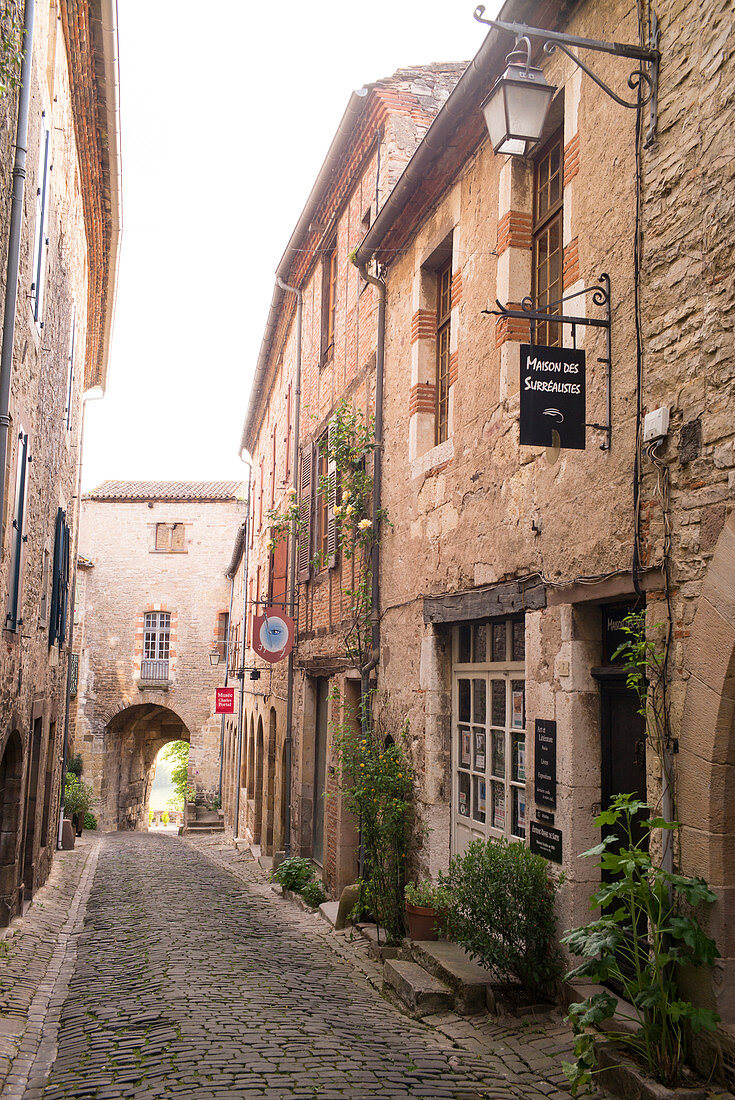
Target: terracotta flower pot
<point>424,923</point>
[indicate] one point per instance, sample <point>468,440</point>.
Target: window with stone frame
<point>547,238</point>
<point>443,339</point>
<point>171,538</point>
<point>156,645</point>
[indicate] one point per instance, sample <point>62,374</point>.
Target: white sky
<point>228,110</point>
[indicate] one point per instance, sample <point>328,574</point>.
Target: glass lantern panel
<point>527,104</point>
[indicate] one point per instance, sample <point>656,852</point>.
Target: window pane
<point>518,704</point>
<point>498,690</point>
<point>519,758</point>
<point>479,701</point>
<point>465,743</point>
<point>463,801</point>
<point>463,689</point>
<point>480,750</point>
<point>499,641</point>
<point>478,798</point>
<point>498,768</point>
<point>519,640</point>
<point>479,633</point>
<point>518,823</point>
<point>464,655</point>
<point>498,806</point>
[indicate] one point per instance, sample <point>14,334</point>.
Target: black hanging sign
<point>545,841</point>
<point>553,396</point>
<point>544,764</point>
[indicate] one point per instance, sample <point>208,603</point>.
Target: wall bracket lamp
<point>516,108</point>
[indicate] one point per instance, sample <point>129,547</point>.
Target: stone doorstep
<point>422,993</point>
<point>469,982</point>
<point>376,938</point>
<point>622,1079</point>
<point>620,1022</point>
<point>328,910</point>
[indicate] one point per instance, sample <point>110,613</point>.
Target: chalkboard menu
<point>545,841</point>
<point>544,776</point>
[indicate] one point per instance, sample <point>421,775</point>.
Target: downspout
<point>241,670</point>
<point>288,743</point>
<point>16,222</point>
<point>227,671</point>
<point>377,493</point>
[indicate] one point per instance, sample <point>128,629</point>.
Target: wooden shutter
<point>305,509</point>
<point>163,536</point>
<point>60,588</point>
<point>178,537</point>
<point>277,580</point>
<point>332,547</point>
<point>14,617</point>
<point>287,475</point>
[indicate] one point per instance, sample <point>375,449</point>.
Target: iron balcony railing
<point>153,670</point>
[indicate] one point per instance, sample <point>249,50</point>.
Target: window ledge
<point>154,550</point>
<point>437,456</point>
<point>154,685</point>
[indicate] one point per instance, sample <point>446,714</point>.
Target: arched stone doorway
<point>270,801</point>
<point>133,738</point>
<point>11,779</point>
<point>706,766</point>
<point>258,822</point>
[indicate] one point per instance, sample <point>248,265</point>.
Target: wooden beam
<point>507,598</point>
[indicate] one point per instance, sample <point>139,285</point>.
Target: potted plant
<point>78,799</point>
<point>427,908</point>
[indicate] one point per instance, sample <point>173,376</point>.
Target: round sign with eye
<point>273,633</point>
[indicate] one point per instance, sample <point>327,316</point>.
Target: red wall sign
<point>225,701</point>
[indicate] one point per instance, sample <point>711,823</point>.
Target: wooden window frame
<point>443,350</point>
<point>169,534</point>
<point>548,333</point>
<point>329,301</point>
<point>322,501</point>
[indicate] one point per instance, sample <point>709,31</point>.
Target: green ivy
<point>11,51</point>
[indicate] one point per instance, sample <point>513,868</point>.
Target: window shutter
<point>279,569</point>
<point>58,607</point>
<point>14,615</point>
<point>163,536</point>
<point>177,537</point>
<point>305,508</point>
<point>331,501</point>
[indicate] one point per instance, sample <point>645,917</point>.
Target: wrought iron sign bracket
<point>643,81</point>
<point>600,293</point>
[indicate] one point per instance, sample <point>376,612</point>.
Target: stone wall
<point>122,719</point>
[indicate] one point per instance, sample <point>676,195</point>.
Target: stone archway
<point>133,738</point>
<point>258,821</point>
<point>706,766</point>
<point>11,782</point>
<point>270,782</point>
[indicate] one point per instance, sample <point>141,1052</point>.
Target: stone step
<point>209,817</point>
<point>422,993</point>
<point>201,827</point>
<point>450,963</point>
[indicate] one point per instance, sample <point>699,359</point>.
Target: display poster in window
<point>466,748</point>
<point>545,841</point>
<point>498,807</point>
<point>481,797</point>
<point>463,807</point>
<point>517,710</point>
<point>553,397</point>
<point>545,763</point>
<point>479,750</point>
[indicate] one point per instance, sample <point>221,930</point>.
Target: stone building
<point>153,604</point>
<point>60,218</point>
<point>380,129</point>
<point>509,568</point>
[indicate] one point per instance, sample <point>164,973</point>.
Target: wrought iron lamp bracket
<point>644,81</point>
<point>600,294</point>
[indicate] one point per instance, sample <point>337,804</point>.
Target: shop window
<point>547,252</point>
<point>489,732</point>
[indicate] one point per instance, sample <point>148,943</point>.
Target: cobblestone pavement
<point>191,979</point>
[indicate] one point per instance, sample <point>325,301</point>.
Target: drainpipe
<point>241,670</point>
<point>365,671</point>
<point>288,743</point>
<point>94,394</point>
<point>227,671</point>
<point>16,222</point>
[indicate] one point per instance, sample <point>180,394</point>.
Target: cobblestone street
<point>188,977</point>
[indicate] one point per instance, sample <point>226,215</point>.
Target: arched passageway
<point>11,779</point>
<point>132,742</point>
<point>258,823</point>
<point>270,783</point>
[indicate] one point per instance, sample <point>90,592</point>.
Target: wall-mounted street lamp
<point>516,108</point>
<point>214,656</point>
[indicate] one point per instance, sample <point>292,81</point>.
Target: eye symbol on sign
<point>555,414</point>
<point>273,634</point>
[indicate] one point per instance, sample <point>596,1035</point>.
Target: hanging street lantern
<point>516,109</point>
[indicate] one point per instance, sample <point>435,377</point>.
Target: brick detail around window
<point>512,328</point>
<point>423,398</point>
<point>514,231</point>
<point>456,289</point>
<point>453,367</point>
<point>423,325</point>
<point>571,159</point>
<point>571,263</point>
